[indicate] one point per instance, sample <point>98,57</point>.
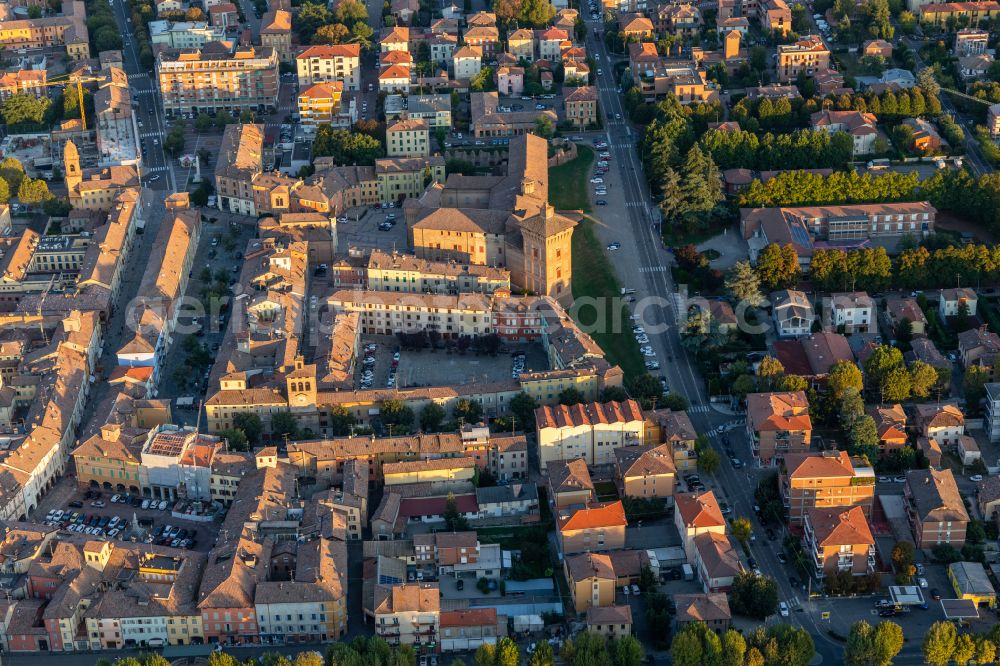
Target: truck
<point>878,165</point>
<point>625,291</point>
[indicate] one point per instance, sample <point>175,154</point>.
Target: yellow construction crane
<point>79,81</point>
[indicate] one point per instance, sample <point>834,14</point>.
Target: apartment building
<point>276,33</point>
<point>934,508</point>
<point>838,540</point>
<point>953,301</point>
<point>971,42</point>
<point>435,109</point>
<point>589,431</point>
<point>973,12</point>
<point>320,104</point>
<point>184,34</point>
<point>808,54</point>
<point>592,580</point>
<point>407,273</point>
<point>240,161</point>
<point>696,514</point>
<point>613,622</point>
<point>849,312</point>
<point>676,431</point>
<point>778,424</point>
<point>408,138</point>
<point>824,480</point>
<point>991,421</point>
<point>581,106</point>
<point>468,628</point>
<point>688,83</point>
<point>67,30</point>
<point>217,78</point>
<point>569,483</point>
<point>408,614</point>
<point>646,472</point>
<point>597,527</point>
<point>326,63</point>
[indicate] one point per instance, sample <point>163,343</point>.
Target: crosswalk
<point>155,169</point>
<point>150,135</point>
<point>793,603</point>
<point>635,204</point>
<point>699,409</point>
<point>652,269</point>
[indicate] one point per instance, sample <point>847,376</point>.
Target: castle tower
<point>732,45</point>
<point>71,166</point>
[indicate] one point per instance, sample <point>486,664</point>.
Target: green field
<point>568,183</point>
<point>593,276</point>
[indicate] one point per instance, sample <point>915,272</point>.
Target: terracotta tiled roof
<point>592,413</point>
<point>699,510</point>
<point>569,476</point>
<point>605,514</point>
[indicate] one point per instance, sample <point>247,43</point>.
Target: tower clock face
<point>302,399</point>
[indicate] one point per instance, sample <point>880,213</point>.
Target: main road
<point>644,263</point>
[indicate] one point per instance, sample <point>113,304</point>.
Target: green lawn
<point>594,277</point>
<point>606,491</point>
<point>568,183</point>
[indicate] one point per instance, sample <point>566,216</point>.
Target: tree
<point>33,191</point>
<point>744,284</point>
<point>965,649</point>
<point>859,649</point>
<point>778,266</point>
<point>431,417</point>
<point>986,650</point>
<point>334,33</point>
<point>709,461</point>
<point>902,560</point>
<point>770,371</point>
<point>880,370</point>
<point>341,421</point>
<point>538,13</point>
<point>734,647</point>
<point>741,529</point>
<point>614,394</point>
<point>695,645</point>
<point>507,10</point>
<point>203,122</point>
<point>844,376</point>
<point>24,108</point>
<point>484,655</point>
<point>928,82</point>
<point>887,643</point>
<point>571,396</point>
<point>702,185</point>
<point>923,378</point>
<point>284,426</point>
<point>627,651</point>
<point>543,655</point>
<point>250,425</point>
<point>350,12</point>
<point>469,411</point>
<point>522,406</point>
<point>346,147</point>
<point>4,191</point>
<point>483,81</point>
<point>394,412</point>
<point>940,643</point>
<point>236,439</point>
<point>507,653</point>
<point>544,127</point>
<point>308,658</point>
<point>453,520</point>
<point>754,596</point>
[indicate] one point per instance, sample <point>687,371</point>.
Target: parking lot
<point>441,367</point>
<point>365,232</point>
<point>122,517</point>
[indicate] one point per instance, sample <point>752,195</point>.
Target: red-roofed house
<point>468,628</point>
<point>696,514</point>
<point>594,528</point>
<point>778,424</point>
<point>716,561</point>
<point>839,539</point>
<point>830,478</point>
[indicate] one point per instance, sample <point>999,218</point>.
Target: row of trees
<point>801,149</point>
<point>317,24</point>
<point>943,645</point>
<point>697,645</point>
<point>804,188</point>
<point>873,646</point>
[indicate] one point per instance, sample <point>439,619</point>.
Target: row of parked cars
<point>75,521</point>
<point>173,536</point>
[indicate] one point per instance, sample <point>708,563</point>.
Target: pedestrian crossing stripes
<point>699,409</point>
<point>634,204</point>
<point>652,269</point>
<point>154,169</point>
<point>794,602</point>
<point>150,135</point>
